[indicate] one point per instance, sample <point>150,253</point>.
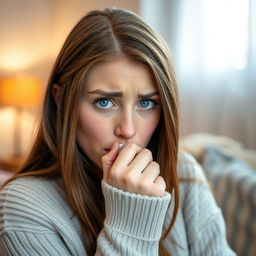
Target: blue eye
<point>147,104</point>
<point>103,103</point>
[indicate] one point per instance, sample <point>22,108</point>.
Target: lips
<point>120,147</point>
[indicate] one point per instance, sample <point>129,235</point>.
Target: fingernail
<point>121,146</point>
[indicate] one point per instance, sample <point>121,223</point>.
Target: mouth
<point>121,146</point>
<point>106,150</point>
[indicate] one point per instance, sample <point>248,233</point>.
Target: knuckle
<point>161,180</point>
<point>157,170</point>
<point>155,165</point>
<point>131,145</point>
<point>147,152</point>
<point>160,186</point>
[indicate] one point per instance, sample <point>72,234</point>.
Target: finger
<point>150,173</point>
<point>126,156</point>
<point>159,186</point>
<point>108,160</point>
<point>141,160</point>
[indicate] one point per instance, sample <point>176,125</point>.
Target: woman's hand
<point>132,169</point>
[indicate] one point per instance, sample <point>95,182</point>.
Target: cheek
<point>90,128</point>
<point>148,129</point>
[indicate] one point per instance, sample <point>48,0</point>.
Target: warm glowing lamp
<point>20,92</point>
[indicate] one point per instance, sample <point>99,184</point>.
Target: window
<point>225,33</point>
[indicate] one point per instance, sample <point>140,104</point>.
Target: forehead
<point>121,73</point>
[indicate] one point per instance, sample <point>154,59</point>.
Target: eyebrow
<point>120,94</point>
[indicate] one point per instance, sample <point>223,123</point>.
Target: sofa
<point>231,172</point>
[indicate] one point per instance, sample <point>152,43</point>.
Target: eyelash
<point>97,101</point>
<point>154,102</point>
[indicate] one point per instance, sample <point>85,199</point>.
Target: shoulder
<point>189,168</point>
<point>194,189</point>
<point>34,189</point>
<point>34,209</point>
<point>196,197</point>
<point>32,202</point>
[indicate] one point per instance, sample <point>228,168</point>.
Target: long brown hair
<point>101,36</point>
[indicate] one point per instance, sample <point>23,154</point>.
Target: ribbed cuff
<point>133,214</point>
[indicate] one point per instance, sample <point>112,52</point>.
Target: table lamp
<point>21,93</point>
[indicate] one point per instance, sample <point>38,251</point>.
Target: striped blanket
<point>233,183</point>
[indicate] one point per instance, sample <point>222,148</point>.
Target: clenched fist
<point>132,169</point>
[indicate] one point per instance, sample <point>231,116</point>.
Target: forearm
<point>133,223</point>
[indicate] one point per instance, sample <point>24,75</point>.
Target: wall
<point>32,32</point>
<point>69,12</point>
<point>217,93</point>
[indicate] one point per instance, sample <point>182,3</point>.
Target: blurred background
<point>213,44</point>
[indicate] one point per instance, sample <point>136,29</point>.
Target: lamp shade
<point>20,92</point>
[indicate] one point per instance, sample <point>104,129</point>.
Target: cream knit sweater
<point>35,219</point>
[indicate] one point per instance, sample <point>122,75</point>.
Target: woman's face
<point>120,104</point>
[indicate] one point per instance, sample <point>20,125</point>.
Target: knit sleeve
<point>133,223</point>
<point>17,243</point>
<point>205,226</point>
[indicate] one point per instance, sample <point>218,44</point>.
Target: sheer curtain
<point>213,43</point>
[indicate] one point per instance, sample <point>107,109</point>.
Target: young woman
<point>104,176</point>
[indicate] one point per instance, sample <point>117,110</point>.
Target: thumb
<point>108,160</point>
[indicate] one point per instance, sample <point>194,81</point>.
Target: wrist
<point>136,215</point>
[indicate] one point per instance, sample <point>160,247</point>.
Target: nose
<point>126,127</point>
